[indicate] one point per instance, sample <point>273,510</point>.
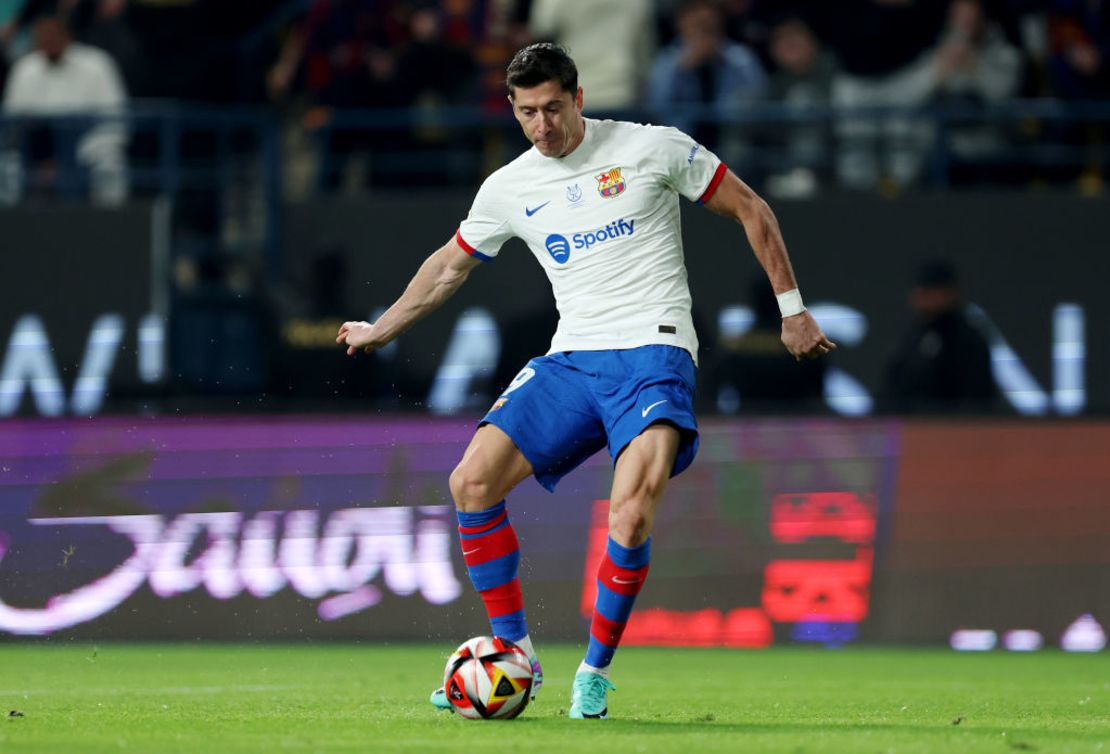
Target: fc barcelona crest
<point>610,183</point>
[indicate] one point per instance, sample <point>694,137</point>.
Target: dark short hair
<point>539,63</point>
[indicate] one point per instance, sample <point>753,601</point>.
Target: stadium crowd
<point>695,64</point>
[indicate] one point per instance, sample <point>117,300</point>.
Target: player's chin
<point>549,148</point>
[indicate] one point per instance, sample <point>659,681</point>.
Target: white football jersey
<point>604,223</point>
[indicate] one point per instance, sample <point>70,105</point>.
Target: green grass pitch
<point>213,698</point>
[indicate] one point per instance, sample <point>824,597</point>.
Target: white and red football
<point>488,678</point>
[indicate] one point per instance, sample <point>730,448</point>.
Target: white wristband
<point>790,303</point>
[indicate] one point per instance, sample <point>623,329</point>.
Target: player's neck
<point>581,137</point>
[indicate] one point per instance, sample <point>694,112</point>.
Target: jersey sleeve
<point>486,227</point>
<point>688,167</point>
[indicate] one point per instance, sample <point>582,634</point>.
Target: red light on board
<point>830,590</point>
<point>841,515</point>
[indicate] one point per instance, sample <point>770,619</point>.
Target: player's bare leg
<point>492,466</point>
<point>641,477</point>
<point>642,472</point>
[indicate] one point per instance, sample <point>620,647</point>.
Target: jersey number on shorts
<point>523,376</point>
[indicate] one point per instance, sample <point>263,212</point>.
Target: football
<point>488,678</point>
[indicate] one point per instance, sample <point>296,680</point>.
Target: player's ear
<point>578,100</point>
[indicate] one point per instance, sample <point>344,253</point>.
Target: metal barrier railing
<point>234,158</point>
<point>211,157</point>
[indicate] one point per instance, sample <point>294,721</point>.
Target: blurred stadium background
<point>187,219</point>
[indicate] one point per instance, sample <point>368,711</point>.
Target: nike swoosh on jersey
<point>646,411</point>
<point>471,552</point>
<point>619,580</point>
<point>531,212</point>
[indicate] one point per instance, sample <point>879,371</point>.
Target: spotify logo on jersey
<point>558,247</point>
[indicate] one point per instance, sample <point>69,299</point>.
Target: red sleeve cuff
<point>462,242</point>
<point>468,248</point>
<point>711,189</point>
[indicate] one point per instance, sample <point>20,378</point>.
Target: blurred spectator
<point>974,59</point>
<point>435,73</point>
<point>754,371</point>
<point>1028,27</point>
<point>884,50</point>
<point>497,29</point>
<point>59,78</point>
<point>802,79</point>
<point>746,21</point>
<point>1079,33</point>
<point>974,64</point>
<point>99,23</point>
<point>106,27</point>
<point>943,363</point>
<point>343,54</point>
<point>612,43</point>
<point>380,54</point>
<point>703,69</point>
<point>1079,69</point>
<point>434,70</point>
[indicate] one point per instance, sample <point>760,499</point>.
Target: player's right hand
<point>803,338</point>
<point>357,335</point>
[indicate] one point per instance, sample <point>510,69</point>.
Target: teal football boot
<point>589,697</point>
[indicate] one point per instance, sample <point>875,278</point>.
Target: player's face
<point>550,116</point>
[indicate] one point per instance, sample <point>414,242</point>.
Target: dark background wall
<point>1019,256</point>
<point>68,266</point>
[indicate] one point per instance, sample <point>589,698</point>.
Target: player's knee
<point>470,491</point>
<point>630,524</point>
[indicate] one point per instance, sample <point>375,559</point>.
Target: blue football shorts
<point>564,407</point>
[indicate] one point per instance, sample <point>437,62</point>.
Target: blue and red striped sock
<point>492,556</point>
<point>620,577</point>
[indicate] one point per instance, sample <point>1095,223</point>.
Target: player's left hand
<point>803,338</point>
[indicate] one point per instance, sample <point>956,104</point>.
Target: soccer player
<point>597,204</point>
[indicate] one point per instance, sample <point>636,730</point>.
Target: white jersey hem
<point>565,344</point>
